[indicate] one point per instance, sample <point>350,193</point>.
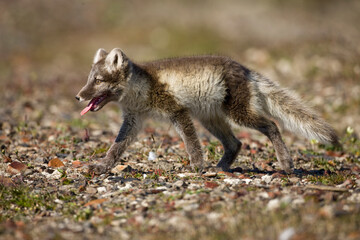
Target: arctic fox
<point>213,89</point>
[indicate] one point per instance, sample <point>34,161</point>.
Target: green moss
<point>331,179</point>
<point>101,149</point>
<point>212,151</point>
<point>324,164</point>
<point>20,201</point>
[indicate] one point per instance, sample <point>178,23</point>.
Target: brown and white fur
<point>215,90</point>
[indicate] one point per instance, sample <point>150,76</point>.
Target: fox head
<point>107,80</point>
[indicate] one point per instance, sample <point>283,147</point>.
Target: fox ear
<point>100,54</point>
<point>115,59</point>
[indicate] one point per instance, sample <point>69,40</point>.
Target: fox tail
<point>283,106</point>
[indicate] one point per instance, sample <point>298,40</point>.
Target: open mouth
<point>94,104</point>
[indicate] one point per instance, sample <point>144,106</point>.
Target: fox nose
<point>77,98</point>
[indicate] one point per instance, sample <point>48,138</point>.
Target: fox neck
<point>137,86</point>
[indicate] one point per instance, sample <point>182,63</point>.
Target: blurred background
<point>46,48</point>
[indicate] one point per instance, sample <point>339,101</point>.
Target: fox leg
<point>184,126</point>
<point>127,134</point>
<point>222,131</point>
<point>269,128</point>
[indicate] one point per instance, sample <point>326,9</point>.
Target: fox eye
<point>98,81</point>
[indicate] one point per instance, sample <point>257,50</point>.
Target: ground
<point>153,194</point>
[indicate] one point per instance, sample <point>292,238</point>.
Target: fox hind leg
<point>269,129</point>
<point>222,131</point>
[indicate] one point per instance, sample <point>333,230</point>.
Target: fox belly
<point>202,91</point>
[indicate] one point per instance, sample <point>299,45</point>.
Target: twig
<point>326,188</point>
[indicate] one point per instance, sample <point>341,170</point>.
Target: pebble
<point>210,174</point>
<point>152,156</point>
<point>273,204</point>
<point>178,184</point>
<point>91,190</point>
<point>54,175</point>
<point>121,168</point>
<point>232,181</point>
<point>101,190</point>
<point>28,172</point>
<point>287,234</point>
<point>266,178</point>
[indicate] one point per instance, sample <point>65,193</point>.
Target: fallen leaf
<point>77,164</point>
<point>334,154</point>
<point>16,167</point>
<point>95,202</point>
<point>211,185</point>
<point>55,163</point>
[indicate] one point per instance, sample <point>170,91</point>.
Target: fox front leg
<point>184,126</point>
<point>127,134</point>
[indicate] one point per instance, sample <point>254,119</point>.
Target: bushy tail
<point>291,112</point>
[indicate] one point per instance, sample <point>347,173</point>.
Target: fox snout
<point>86,93</point>
<point>80,99</point>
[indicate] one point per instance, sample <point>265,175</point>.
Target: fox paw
<point>287,166</point>
<point>97,169</point>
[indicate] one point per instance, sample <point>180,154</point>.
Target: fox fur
<point>213,89</point>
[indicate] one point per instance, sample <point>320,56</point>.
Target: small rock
<point>162,188</point>
<point>232,181</point>
<point>266,178</point>
<point>52,175</point>
<point>58,201</point>
<point>287,234</point>
<point>247,180</point>
<point>90,190</point>
<point>16,167</point>
<point>298,201</point>
<point>273,204</point>
<point>178,184</point>
<point>210,174</point>
<point>357,182</point>
<point>127,186</point>
<point>190,207</point>
<point>355,198</point>
<point>263,195</point>
<point>294,180</point>
<point>152,156</point>
<point>327,211</point>
<point>28,172</point>
<point>101,189</point>
<point>121,168</point>
<point>55,163</point>
<point>51,138</point>
<point>183,175</point>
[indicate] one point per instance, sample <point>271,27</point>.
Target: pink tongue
<point>85,110</point>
